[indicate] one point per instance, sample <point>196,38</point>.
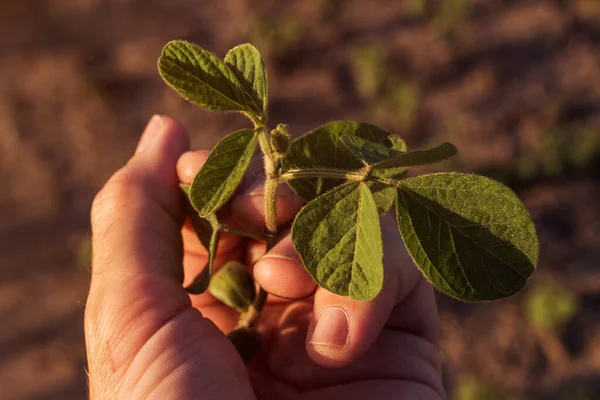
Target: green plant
<point>469,235</point>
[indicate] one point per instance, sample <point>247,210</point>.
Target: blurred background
<point>515,84</point>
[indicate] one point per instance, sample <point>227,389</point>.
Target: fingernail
<point>332,328</point>
<point>152,132</point>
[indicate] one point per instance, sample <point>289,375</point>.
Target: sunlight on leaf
<point>414,158</point>
<point>246,60</point>
<point>234,286</point>
<point>204,79</point>
<point>369,153</point>
<point>223,171</point>
<point>338,238</point>
<point>471,236</point>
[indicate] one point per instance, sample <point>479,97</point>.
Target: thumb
<point>143,337</point>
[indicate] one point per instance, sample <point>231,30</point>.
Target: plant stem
<point>270,192</point>
<point>241,232</point>
<point>271,184</point>
<point>307,173</point>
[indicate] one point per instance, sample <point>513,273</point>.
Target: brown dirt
<point>78,81</point>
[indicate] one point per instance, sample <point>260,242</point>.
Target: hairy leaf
<point>369,153</point>
<point>245,60</point>
<point>207,230</point>
<point>204,79</point>
<point>413,158</point>
<point>234,286</point>
<point>471,236</point>
<point>338,238</point>
<point>323,148</point>
<point>223,171</point>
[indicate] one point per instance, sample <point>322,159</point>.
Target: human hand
<point>147,338</point>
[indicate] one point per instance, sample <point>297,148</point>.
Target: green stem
<point>241,232</point>
<point>271,184</point>
<point>250,317</point>
<point>307,173</point>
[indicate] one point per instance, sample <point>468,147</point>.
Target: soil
<point>514,84</point>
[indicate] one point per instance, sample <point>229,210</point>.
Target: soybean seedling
<point>470,236</point>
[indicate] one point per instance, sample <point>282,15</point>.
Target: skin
<point>148,339</point>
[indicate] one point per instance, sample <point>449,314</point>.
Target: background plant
<point>469,235</point>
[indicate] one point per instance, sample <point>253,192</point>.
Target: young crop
<point>470,236</point>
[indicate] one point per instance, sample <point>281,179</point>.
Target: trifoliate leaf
<point>414,158</point>
<point>471,236</point>
<point>338,238</point>
<point>249,65</point>
<point>323,148</point>
<point>207,230</point>
<point>234,286</point>
<point>223,171</point>
<point>204,79</point>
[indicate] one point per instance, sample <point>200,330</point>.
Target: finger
<point>281,273</point>
<point>147,185</point>
<point>341,328</point>
<point>396,353</point>
<point>136,243</point>
<point>136,297</point>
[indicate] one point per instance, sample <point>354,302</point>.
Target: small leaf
<point>247,341</point>
<point>246,60</point>
<point>323,148</point>
<point>398,143</point>
<point>471,236</point>
<point>369,153</point>
<point>202,78</point>
<point>234,286</point>
<point>414,158</point>
<point>207,230</point>
<point>339,240</point>
<point>223,171</point>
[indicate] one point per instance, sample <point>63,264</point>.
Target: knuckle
<point>114,195</point>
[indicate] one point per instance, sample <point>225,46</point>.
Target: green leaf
<point>398,143</point>
<point>234,286</point>
<point>223,171</point>
<point>339,240</point>
<point>384,195</point>
<point>202,78</point>
<point>414,158</point>
<point>245,60</point>
<point>369,153</point>
<point>323,148</point>
<point>471,236</point>
<point>207,230</point>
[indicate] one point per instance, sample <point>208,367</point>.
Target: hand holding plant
<point>469,236</point>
